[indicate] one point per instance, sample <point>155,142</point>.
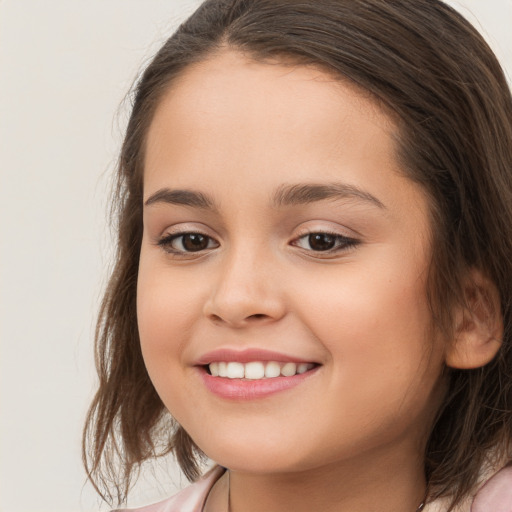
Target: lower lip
<point>238,389</point>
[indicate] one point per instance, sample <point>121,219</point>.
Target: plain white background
<point>65,67</point>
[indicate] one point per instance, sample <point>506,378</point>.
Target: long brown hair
<point>429,67</point>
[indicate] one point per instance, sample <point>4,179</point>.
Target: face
<point>284,249</point>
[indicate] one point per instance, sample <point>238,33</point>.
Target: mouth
<point>252,374</point>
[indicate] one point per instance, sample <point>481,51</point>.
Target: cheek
<point>166,310</point>
<point>366,300</point>
<point>376,326</point>
<point>167,313</point>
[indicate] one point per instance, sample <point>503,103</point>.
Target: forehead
<point>245,74</point>
<point>230,100</point>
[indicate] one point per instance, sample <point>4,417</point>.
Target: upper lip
<point>247,355</point>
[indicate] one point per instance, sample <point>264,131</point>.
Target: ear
<point>478,324</point>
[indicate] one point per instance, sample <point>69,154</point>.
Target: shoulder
<point>496,494</point>
<point>190,499</point>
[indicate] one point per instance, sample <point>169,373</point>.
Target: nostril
<point>257,316</point>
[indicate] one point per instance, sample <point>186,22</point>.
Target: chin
<point>255,457</point>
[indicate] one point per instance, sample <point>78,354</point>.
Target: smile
<point>256,370</point>
<point>252,373</point>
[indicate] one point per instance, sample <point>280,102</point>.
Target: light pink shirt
<point>190,499</point>
<point>494,496</point>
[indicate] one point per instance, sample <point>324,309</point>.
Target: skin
<point>352,435</point>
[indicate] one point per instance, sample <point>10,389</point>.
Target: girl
<point>314,272</point>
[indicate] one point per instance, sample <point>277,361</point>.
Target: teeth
<point>257,370</point>
<point>235,371</point>
<point>214,369</point>
<point>302,367</point>
<point>254,370</point>
<point>272,370</point>
<point>223,369</point>
<point>289,369</point>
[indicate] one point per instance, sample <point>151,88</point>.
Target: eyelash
<point>342,243</point>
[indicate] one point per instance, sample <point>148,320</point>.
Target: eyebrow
<point>304,193</point>
<point>182,197</point>
<point>285,195</point>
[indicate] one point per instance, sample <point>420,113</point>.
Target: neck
<point>371,483</point>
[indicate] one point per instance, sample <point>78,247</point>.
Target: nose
<point>247,290</point>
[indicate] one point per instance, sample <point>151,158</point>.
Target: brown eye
<point>330,243</point>
<point>194,242</point>
<point>321,241</point>
<point>187,243</point>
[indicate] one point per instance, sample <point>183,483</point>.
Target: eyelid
<point>184,228</point>
<point>328,228</point>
